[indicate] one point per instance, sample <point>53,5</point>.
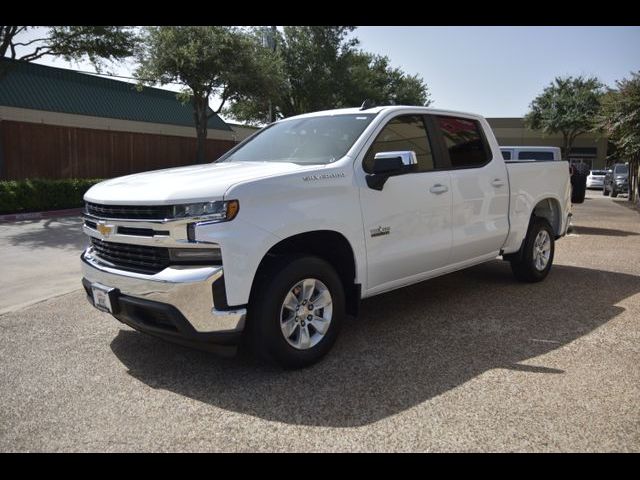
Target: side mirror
<point>389,164</point>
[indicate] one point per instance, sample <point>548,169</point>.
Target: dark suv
<point>616,180</point>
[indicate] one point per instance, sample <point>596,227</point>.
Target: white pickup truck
<point>279,239</point>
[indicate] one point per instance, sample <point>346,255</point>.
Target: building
<point>589,148</point>
<point>242,131</point>
<point>58,123</point>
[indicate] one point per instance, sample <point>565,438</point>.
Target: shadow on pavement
<point>602,231</point>
<point>64,232</point>
<point>406,347</point>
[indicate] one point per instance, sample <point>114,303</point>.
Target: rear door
<point>480,189</point>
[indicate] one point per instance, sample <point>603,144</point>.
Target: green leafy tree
<point>372,77</point>
<point>568,106</point>
<point>620,120</point>
<point>321,68</point>
<point>207,60</point>
<point>74,42</point>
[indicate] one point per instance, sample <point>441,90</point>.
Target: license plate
<point>101,298</point>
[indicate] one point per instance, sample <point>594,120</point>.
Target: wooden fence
<point>32,150</point>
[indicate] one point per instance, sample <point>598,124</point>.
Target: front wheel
<point>296,311</point>
<point>614,192</point>
<point>535,259</point>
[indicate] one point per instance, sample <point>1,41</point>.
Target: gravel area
<point>471,361</point>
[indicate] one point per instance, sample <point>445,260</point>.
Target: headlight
<point>220,211</point>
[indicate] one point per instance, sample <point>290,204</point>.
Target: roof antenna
<point>368,103</point>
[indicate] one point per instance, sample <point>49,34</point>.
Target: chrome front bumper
<point>189,289</point>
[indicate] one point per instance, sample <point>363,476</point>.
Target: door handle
<point>439,188</point>
<point>498,182</point>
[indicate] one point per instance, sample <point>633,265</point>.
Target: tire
<point>267,311</point>
<point>524,266</point>
<point>605,192</point>
<point>614,192</point>
<point>579,183</point>
<point>578,192</point>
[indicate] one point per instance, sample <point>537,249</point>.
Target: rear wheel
<point>296,312</point>
<point>536,257</point>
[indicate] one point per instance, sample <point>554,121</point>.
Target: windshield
<point>621,169</point>
<point>312,140</point>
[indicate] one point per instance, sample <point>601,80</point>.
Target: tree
<point>568,106</point>
<point>370,76</point>
<point>206,60</point>
<point>322,69</point>
<point>620,120</point>
<point>73,42</point>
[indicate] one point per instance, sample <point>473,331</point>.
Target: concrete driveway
<point>471,361</point>
<point>40,259</point>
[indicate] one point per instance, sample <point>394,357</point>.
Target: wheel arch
<point>331,246</point>
<point>549,208</point>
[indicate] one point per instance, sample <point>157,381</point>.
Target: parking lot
<point>472,361</point>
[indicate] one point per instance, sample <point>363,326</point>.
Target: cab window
<point>464,140</point>
<point>406,132</point>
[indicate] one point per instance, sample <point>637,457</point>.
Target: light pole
<point>269,41</point>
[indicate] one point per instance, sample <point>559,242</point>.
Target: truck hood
<point>185,184</point>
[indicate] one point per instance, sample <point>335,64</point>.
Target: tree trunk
<point>634,178</point>
<point>200,104</point>
<point>565,147</point>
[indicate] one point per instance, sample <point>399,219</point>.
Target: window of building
<point>406,132</point>
<point>464,140</point>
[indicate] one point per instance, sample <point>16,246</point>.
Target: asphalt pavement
<point>471,361</point>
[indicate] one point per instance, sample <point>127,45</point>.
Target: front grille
<point>134,258</point>
<point>147,212</point>
<point>141,232</point>
<point>138,232</point>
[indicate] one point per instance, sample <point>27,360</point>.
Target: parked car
<point>577,172</point>
<point>281,237</point>
<point>616,180</point>
<point>595,179</point>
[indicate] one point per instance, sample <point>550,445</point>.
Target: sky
<point>492,71</point>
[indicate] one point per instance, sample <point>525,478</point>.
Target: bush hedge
<point>35,195</point>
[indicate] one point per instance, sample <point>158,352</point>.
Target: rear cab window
<point>533,155</point>
<point>464,141</point>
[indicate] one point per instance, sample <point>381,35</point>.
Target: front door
<point>407,224</point>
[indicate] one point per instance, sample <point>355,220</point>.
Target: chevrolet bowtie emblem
<point>104,229</point>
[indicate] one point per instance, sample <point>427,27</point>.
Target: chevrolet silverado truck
<point>278,240</point>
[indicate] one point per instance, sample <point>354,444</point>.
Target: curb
<point>16,217</point>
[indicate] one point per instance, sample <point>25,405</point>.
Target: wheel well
<point>549,208</point>
<point>332,247</point>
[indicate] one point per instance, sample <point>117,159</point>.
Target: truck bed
<point>529,182</point>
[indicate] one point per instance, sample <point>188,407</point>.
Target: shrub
<point>34,195</point>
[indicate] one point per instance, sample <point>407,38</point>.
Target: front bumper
<point>176,302</point>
